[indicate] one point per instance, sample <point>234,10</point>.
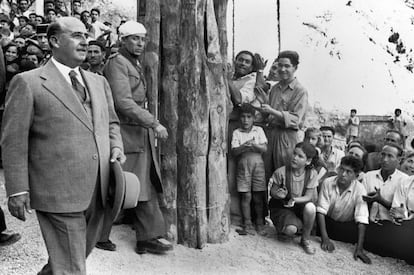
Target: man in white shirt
<point>99,28</point>
<point>342,213</point>
<point>330,154</point>
<point>381,184</point>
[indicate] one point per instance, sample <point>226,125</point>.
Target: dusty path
<point>241,255</point>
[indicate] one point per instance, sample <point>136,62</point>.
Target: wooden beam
<point>218,195</point>
<point>170,29</point>
<point>192,128</point>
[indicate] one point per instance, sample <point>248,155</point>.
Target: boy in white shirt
<point>248,144</point>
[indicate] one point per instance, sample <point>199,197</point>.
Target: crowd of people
<point>23,33</point>
<point>84,95</point>
<point>81,86</point>
<point>358,195</point>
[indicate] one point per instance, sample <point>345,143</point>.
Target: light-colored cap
<point>131,28</point>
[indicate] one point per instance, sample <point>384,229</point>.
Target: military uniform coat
<point>126,78</point>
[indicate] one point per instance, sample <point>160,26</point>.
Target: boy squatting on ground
<point>248,144</point>
<point>293,190</point>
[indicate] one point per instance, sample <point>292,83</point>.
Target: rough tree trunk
<point>218,196</point>
<point>151,61</point>
<point>168,108</point>
<point>192,131</point>
<point>193,108</point>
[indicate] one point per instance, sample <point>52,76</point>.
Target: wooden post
<point>192,128</point>
<point>152,49</point>
<point>218,195</point>
<point>170,9</point>
<point>193,98</point>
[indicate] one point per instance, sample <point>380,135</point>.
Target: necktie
<point>77,86</point>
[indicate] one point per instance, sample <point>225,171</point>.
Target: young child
<point>293,211</point>
<point>353,125</point>
<point>407,164</point>
<point>313,136</point>
<point>248,144</point>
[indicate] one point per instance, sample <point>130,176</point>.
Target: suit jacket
<point>51,148</point>
<point>129,92</point>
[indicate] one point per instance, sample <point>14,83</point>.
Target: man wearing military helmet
<point>138,128</point>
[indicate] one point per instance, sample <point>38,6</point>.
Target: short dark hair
<point>353,162</point>
<point>85,11</point>
<point>49,10</point>
<point>310,131</point>
<point>40,16</point>
<point>97,43</point>
<point>25,18</point>
<point>247,108</point>
<point>397,110</point>
<point>327,128</point>
<point>353,111</point>
<point>74,1</point>
<point>97,10</point>
<point>396,146</point>
<point>291,55</point>
<point>397,132</point>
<point>364,152</point>
<point>254,67</point>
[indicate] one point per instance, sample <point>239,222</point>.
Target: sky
<point>344,61</point>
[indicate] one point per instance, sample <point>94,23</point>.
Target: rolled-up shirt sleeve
<point>247,91</point>
<point>293,119</point>
<point>323,199</point>
<point>361,214</point>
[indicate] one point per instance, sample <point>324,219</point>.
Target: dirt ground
<point>240,255</point>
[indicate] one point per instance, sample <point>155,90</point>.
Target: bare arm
<point>326,244</point>
<point>359,249</point>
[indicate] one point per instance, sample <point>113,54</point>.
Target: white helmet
<point>131,28</point>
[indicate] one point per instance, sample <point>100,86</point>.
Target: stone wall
<point>373,128</point>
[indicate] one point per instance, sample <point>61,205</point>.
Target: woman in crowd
<point>407,164</point>
<point>12,60</point>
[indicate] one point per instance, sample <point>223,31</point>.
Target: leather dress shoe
<point>154,246</point>
<point>8,239</point>
<point>108,245</point>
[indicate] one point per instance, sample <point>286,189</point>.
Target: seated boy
<point>247,145</point>
<point>341,212</point>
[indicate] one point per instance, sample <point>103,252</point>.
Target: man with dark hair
<point>381,184</point>
<point>96,57</point>
<point>76,6</point>
<point>99,28</point>
<point>139,128</point>
<point>373,161</point>
<point>286,108</point>
<point>50,16</point>
<point>49,4</point>
<point>331,156</point>
<point>342,214</point>
<point>58,148</point>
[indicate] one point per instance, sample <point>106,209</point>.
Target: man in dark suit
<point>60,132</point>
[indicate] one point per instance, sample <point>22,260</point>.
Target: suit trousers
<point>2,221</point>
<point>70,237</point>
